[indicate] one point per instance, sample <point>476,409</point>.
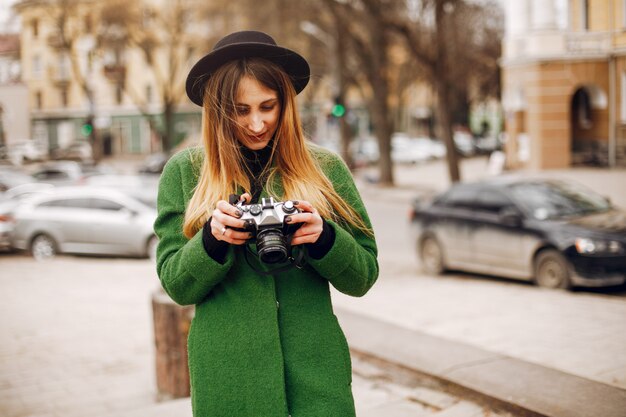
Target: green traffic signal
<point>86,129</point>
<point>338,110</point>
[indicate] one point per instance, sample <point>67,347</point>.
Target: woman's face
<point>258,111</point>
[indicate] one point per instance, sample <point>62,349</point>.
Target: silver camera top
<point>267,212</point>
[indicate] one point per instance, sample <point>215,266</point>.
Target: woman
<point>264,341</point>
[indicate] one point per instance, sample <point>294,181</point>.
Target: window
<point>102,204</point>
<point>35,26</point>
<point>622,110</point>
<point>459,197</point>
<point>119,94</point>
<point>584,10</point>
<point>64,99</point>
<point>67,203</point>
<point>88,24</point>
<point>37,70</point>
<point>492,201</point>
<point>39,100</point>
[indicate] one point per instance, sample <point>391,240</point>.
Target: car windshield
<point>557,199</point>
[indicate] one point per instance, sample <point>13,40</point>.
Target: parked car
<point>84,220</point>
<point>407,149</point>
<point>555,233</point>
<point>60,173</point>
<point>80,151</point>
<point>28,150</point>
<point>11,176</point>
<point>9,200</point>
<point>143,187</point>
<point>464,143</point>
<point>154,163</point>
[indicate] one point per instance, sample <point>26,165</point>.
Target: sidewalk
<point>547,352</point>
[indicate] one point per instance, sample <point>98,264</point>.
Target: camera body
<point>266,222</point>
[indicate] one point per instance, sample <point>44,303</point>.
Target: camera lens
<point>271,246</point>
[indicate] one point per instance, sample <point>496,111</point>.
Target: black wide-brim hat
<point>246,44</point>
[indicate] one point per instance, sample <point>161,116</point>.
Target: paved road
<point>580,332</point>
<point>77,341</point>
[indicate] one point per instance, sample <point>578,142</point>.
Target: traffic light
<point>338,110</point>
<point>87,128</point>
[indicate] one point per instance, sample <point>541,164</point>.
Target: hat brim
<point>293,63</point>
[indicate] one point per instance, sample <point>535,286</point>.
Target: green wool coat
<point>263,346</point>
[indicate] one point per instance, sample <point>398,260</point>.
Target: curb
<point>519,385</point>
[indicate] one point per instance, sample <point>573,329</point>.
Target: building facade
<point>14,119</point>
<point>82,85</point>
<point>564,83</point>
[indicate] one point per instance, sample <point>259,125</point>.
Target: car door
<point>114,226</point>
<point>451,219</point>
<point>497,245</point>
<point>66,220</point>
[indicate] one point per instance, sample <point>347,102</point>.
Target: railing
<point>588,42</point>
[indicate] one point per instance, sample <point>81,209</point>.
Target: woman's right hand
<point>225,219</point>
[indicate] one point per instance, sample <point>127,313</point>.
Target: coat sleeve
<point>185,270</point>
<point>351,265</point>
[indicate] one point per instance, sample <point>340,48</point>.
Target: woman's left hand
<point>312,224</point>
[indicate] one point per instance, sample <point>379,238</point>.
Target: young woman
<point>264,341</point>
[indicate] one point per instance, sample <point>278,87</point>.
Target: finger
<point>305,239</point>
<point>309,229</point>
<point>305,218</point>
<point>245,197</point>
<point>226,234</point>
<point>305,206</point>
<point>227,220</point>
<point>229,209</point>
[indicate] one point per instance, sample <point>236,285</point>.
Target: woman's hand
<point>225,218</point>
<point>312,224</point>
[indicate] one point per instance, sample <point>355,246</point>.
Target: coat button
<point>277,304</point>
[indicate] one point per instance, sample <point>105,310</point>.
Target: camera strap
<point>294,262</point>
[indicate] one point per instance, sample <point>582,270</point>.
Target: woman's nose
<point>255,124</point>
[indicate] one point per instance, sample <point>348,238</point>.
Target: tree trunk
<point>442,85</point>
<point>168,120</point>
<point>171,328</point>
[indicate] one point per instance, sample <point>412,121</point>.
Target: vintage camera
<point>266,222</point>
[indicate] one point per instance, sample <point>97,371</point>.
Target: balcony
<point>116,73</point>
<point>55,41</point>
<point>588,43</point>
<point>555,44</point>
<point>60,76</point>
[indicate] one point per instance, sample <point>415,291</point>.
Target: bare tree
<point>170,37</point>
<point>71,26</point>
<point>445,39</point>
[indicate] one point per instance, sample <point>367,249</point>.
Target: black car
<point>556,233</point>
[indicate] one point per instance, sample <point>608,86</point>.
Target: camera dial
<point>289,207</point>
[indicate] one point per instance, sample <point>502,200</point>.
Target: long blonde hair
<point>223,169</point>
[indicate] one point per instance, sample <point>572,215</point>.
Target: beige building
<point>126,91</point>
<point>14,120</point>
<point>564,83</point>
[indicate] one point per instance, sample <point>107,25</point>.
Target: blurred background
<point>488,139</point>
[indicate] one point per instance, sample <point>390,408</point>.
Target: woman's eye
<point>242,110</point>
<point>267,108</point>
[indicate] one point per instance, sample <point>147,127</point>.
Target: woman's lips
<point>257,137</point>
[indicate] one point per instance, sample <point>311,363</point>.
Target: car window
<point>556,199</point>
<point>51,175</point>
<point>67,202</point>
<point>459,196</point>
<point>104,204</point>
<point>492,201</point>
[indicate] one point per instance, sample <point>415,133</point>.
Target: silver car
<point>84,220</point>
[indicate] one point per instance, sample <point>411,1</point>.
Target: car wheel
<point>43,247</point>
<point>552,270</point>
<point>151,248</point>
<point>431,256</point>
